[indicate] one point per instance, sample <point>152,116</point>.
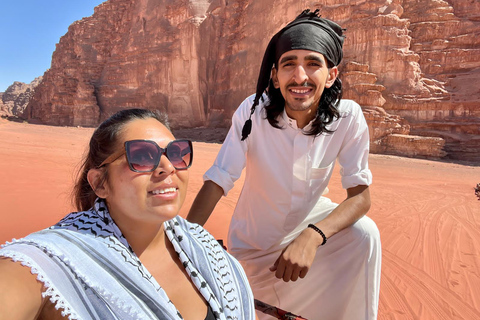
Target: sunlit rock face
<point>414,66</point>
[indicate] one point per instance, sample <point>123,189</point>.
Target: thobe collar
<point>292,123</point>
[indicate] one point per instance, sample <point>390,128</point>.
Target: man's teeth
<point>300,91</point>
<point>162,191</point>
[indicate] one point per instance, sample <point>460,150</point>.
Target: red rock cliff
<point>413,65</point>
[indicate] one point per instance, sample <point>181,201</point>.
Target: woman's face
<point>149,198</point>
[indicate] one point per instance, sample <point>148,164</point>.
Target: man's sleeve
<point>231,158</point>
<point>353,156</point>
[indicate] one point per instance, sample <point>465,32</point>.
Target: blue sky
<point>29,30</point>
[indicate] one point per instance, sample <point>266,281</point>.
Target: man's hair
<point>327,110</point>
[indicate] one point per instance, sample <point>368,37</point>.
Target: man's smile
<point>300,91</point>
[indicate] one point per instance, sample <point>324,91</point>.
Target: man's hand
<point>297,258</point>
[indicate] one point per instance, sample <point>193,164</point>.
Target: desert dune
<point>427,213</point>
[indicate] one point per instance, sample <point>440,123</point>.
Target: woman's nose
<point>165,166</point>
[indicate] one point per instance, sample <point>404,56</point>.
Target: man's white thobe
<point>287,172</point>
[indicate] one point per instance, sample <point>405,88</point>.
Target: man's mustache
<point>304,84</point>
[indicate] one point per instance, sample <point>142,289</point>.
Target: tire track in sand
<point>436,301</point>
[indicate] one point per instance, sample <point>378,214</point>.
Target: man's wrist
<point>317,229</point>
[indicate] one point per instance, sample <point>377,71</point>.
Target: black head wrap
<point>308,32</point>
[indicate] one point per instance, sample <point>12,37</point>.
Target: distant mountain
<point>15,99</point>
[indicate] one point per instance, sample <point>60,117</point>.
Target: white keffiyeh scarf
<point>90,271</point>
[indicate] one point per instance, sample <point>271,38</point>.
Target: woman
<point>126,254</point>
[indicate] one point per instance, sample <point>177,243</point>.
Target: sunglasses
<point>144,155</point>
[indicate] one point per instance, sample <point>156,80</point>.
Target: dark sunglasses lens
<point>180,154</point>
<point>142,155</point>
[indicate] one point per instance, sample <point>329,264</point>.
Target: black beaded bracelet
<point>314,227</point>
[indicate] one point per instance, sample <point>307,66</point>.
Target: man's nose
<point>300,75</point>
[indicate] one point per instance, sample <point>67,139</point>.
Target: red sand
<point>427,213</point>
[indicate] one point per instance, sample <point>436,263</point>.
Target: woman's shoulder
<point>20,291</point>
<point>14,272</point>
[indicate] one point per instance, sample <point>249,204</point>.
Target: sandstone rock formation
<point>413,65</point>
<point>16,98</point>
<point>389,134</point>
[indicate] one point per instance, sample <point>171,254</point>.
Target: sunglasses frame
<point>161,151</point>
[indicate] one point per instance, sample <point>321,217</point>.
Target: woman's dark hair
<point>102,144</point>
<point>327,110</point>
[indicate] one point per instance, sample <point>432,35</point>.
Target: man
<point>288,136</point>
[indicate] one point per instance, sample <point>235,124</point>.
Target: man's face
<point>301,76</point>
